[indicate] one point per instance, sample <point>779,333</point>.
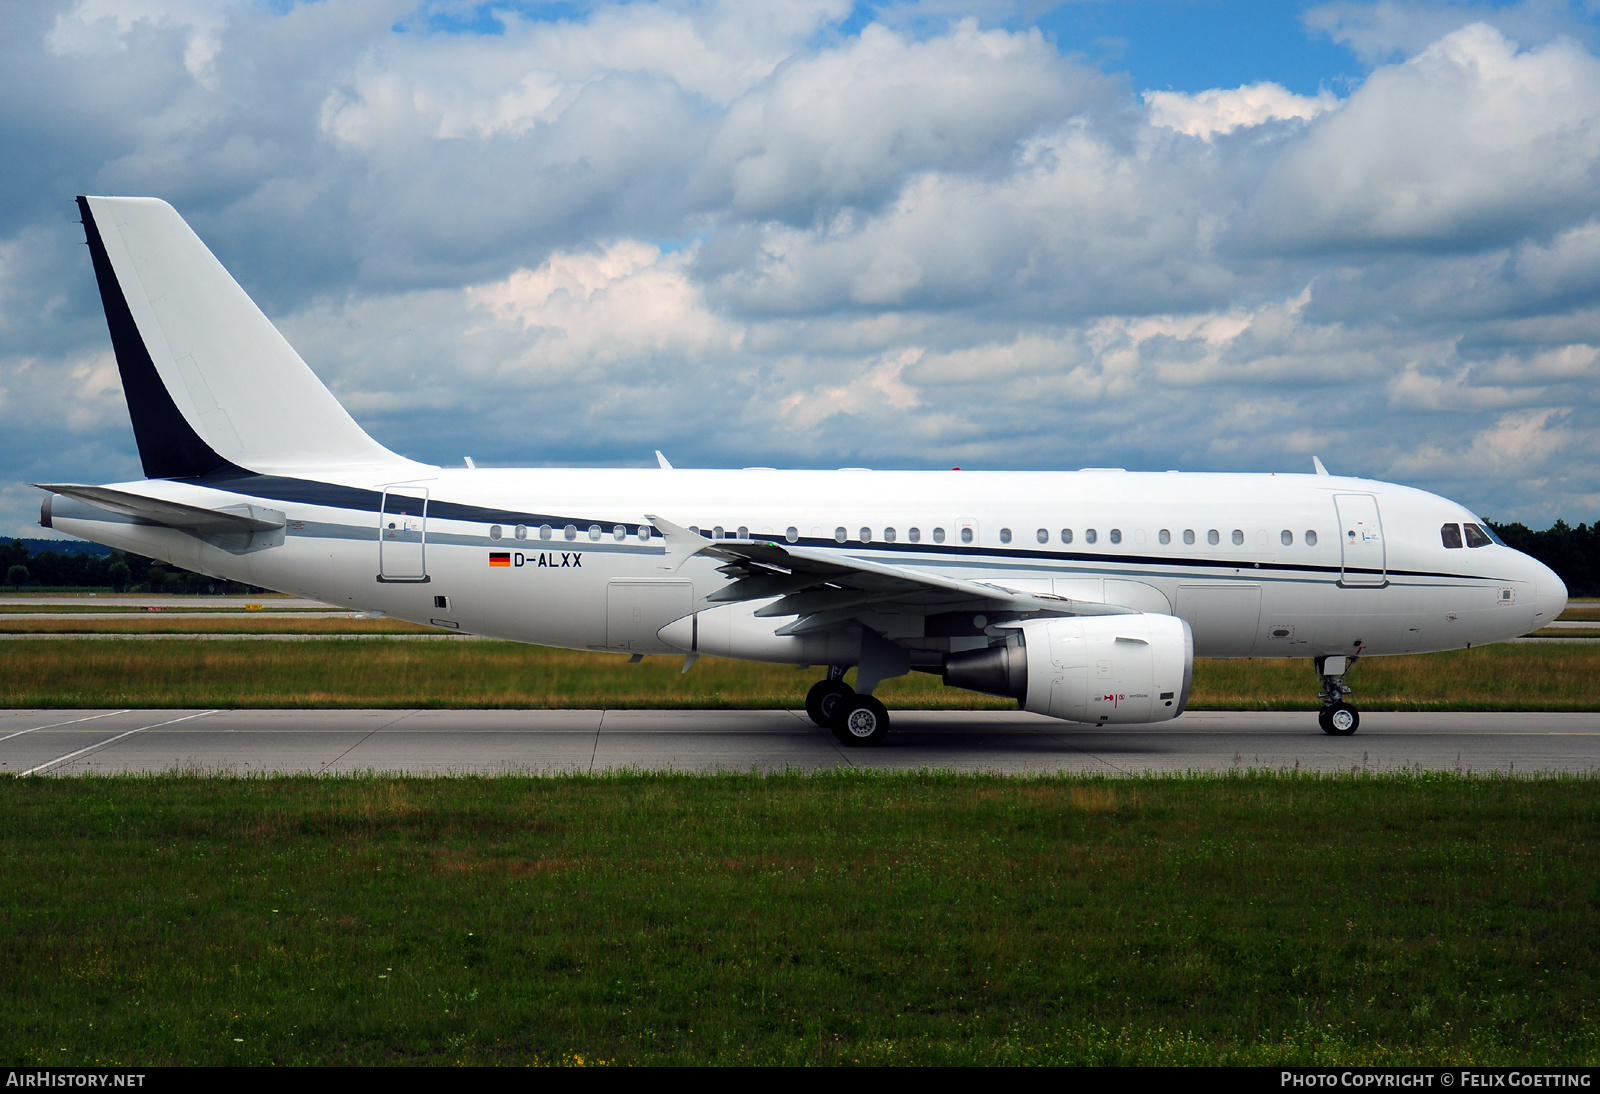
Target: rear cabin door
<point>403,534</point>
<point>1361,539</point>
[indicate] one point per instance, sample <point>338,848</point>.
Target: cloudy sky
<point>805,233</point>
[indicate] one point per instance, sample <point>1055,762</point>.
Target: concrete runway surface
<point>441,742</point>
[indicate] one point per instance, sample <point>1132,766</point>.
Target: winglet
<point>662,460</point>
<point>1316,463</point>
<point>682,544</point>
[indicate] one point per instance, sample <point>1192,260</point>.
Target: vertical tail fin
<point>209,380</point>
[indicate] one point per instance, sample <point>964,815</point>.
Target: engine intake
<point>1105,669</point>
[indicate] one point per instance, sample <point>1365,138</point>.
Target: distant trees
<point>117,571</point>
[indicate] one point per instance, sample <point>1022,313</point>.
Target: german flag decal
<point>499,558</point>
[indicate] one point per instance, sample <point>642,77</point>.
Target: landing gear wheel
<point>860,720</point>
<point>1339,720</point>
<point>822,701</point>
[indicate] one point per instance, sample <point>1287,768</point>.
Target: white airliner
<point>1084,595</point>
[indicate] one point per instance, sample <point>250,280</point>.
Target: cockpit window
<point>1476,537</point>
<point>1451,534</point>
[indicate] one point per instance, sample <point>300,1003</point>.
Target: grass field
<point>378,672</point>
<point>1253,919</point>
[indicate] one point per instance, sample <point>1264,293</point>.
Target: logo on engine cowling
<point>1118,699</point>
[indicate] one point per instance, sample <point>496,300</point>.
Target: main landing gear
<point>855,719</point>
<point>1337,717</point>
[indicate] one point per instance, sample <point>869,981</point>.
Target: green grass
<point>378,672</point>
<point>839,918</point>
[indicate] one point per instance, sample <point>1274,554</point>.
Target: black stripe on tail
<point>169,447</point>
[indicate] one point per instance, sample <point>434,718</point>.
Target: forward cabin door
<point>403,534</point>
<point>1361,539</point>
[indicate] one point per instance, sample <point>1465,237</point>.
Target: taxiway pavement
<point>442,742</point>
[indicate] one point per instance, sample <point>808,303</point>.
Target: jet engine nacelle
<point>1105,669</point>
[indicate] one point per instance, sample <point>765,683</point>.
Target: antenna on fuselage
<point>1315,462</point>
<point>665,466</point>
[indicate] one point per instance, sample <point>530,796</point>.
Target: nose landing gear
<point>1337,717</point>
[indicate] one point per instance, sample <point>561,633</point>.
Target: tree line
<point>118,571</point>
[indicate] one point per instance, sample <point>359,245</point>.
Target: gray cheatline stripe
<point>56,725</point>
<point>110,740</point>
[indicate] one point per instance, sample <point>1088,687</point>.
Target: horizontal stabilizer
<point>236,528</point>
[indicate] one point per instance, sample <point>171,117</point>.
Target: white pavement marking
<point>111,740</point>
<point>55,725</point>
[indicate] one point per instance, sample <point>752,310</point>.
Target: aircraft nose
<point>1549,593</point>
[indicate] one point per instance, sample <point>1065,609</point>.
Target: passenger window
<point>545,531</point>
<point>966,535</point>
<point>1476,536</point>
<point>866,535</point>
<point>1213,537</point>
<point>716,533</point>
<point>1451,535</point>
<point>1005,535</point>
<point>1238,537</point>
<point>744,532</point>
<point>1116,535</point>
<point>792,534</point>
<point>1165,536</point>
<point>1042,535</point>
<point>1090,535</point>
<point>644,533</point>
<point>494,531</point>
<point>840,535</point>
<point>888,535</point>
<point>938,535</point>
<point>1311,537</point>
<point>1188,536</point>
<point>619,533</point>
<point>914,535</point>
<point>522,531</point>
<point>1066,535</point>
<point>1286,537</point>
<point>594,531</point>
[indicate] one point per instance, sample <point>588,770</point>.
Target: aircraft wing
<point>827,588</point>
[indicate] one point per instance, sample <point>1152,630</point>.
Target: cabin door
<point>403,534</point>
<point>1361,539</point>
